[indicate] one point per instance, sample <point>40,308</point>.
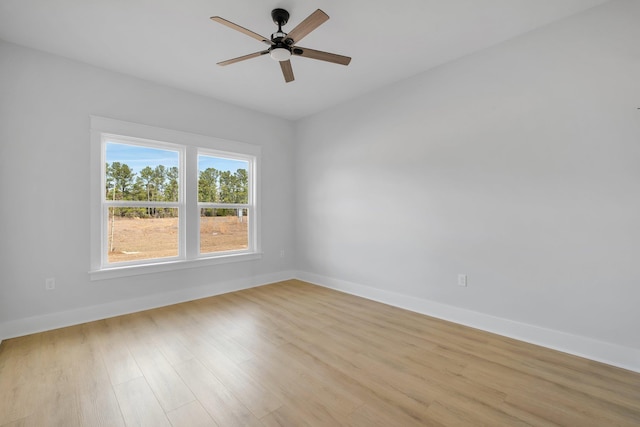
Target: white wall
<point>518,166</point>
<point>45,103</point>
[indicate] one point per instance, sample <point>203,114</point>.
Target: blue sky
<point>220,164</point>
<point>138,157</point>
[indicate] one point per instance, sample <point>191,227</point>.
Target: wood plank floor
<point>294,354</point>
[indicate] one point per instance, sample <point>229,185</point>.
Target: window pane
<point>142,233</point>
<point>223,230</point>
<point>135,172</point>
<point>222,180</point>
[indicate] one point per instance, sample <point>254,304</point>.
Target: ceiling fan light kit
<point>283,45</point>
<point>280,54</point>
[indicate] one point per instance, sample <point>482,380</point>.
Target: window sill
<point>135,270</point>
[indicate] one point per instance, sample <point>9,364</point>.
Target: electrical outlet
<point>462,280</point>
<point>281,253</point>
<point>49,283</point>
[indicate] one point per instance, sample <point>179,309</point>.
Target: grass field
<point>146,238</point>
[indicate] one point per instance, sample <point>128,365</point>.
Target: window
<point>142,201</point>
<point>164,199</point>
<point>223,199</point>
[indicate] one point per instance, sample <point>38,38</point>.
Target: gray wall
<point>45,103</point>
<point>518,166</point>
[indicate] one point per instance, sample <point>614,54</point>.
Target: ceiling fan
<point>283,45</point>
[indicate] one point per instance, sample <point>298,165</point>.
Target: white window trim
<point>191,145</point>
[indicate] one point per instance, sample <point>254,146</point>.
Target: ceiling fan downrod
<point>280,51</point>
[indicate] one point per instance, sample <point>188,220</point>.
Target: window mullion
<point>140,204</point>
<point>192,214</point>
<point>223,205</point>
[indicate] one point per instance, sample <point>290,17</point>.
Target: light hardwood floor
<point>294,354</point>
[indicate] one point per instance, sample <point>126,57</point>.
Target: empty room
<point>295,213</point>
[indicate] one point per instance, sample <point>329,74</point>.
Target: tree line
<point>160,184</point>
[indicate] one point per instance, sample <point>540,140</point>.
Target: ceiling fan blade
<point>320,55</point>
<point>242,58</point>
<point>241,29</point>
<point>312,22</point>
<point>287,71</point>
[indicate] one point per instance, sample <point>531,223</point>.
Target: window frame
<point>189,146</point>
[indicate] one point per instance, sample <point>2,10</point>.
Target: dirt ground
<point>146,238</point>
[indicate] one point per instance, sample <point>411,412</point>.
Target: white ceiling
<point>176,44</point>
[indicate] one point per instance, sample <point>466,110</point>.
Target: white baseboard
<point>45,322</point>
<point>612,354</point>
<point>600,351</point>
